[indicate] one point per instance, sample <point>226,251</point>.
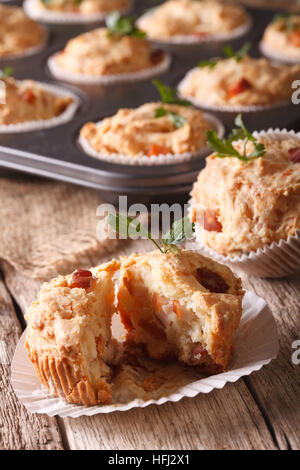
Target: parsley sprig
<point>6,72</point>
<point>169,96</point>
<point>123,25</point>
<point>128,227</point>
<point>288,19</point>
<point>224,147</point>
<point>229,54</point>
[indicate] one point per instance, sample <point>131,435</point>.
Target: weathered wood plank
<point>224,419</point>
<point>18,429</point>
<point>277,386</point>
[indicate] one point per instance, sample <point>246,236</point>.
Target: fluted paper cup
<point>277,56</point>
<point>274,260</point>
<point>256,344</point>
<point>34,125</point>
<point>37,12</point>
<point>145,160</point>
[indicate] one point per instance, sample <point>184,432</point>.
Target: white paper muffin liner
<point>191,39</point>
<point>274,260</point>
<point>278,56</point>
<point>256,344</point>
<point>150,72</point>
<point>226,108</point>
<point>145,160</point>
<point>64,117</point>
<point>30,51</point>
<point>34,11</point>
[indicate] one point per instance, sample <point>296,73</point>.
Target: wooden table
<point>261,411</point>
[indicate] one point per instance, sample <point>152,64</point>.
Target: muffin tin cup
<point>256,116</point>
<point>256,344</point>
<point>192,39</point>
<point>34,11</point>
<point>145,160</point>
<point>272,261</point>
<point>277,56</point>
<point>146,74</point>
<point>64,117</point>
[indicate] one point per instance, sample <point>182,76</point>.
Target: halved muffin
<point>29,101</point>
<point>242,206</point>
<point>69,335</point>
<point>245,82</point>
<point>152,129</point>
<point>186,18</point>
<point>282,37</point>
<point>184,306</point>
<point>18,33</point>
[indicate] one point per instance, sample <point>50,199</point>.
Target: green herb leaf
<point>211,63</point>
<point>178,120</point>
<point>130,228</point>
<point>122,25</point>
<point>238,55</point>
<point>224,147</point>
<point>6,72</point>
<point>169,95</point>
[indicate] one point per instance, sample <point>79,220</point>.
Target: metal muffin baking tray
<point>54,152</point>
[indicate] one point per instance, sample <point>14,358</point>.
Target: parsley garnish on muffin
<point>224,147</point>
<point>181,230</point>
<point>6,72</point>
<point>123,25</point>
<point>169,96</point>
<point>229,54</point>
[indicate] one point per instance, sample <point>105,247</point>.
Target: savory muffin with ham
<point>83,7</point>
<point>250,197</point>
<point>189,18</point>
<point>282,37</point>
<point>239,81</point>
<point>28,100</point>
<point>152,129</point>
<point>18,33</point>
<point>180,305</point>
<point>68,336</point>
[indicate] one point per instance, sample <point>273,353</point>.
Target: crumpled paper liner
<point>275,260</point>
<point>36,12</point>
<point>256,344</point>
<point>223,107</point>
<point>49,228</point>
<point>145,160</point>
<point>191,39</point>
<point>64,117</point>
<point>145,74</point>
<point>272,54</point>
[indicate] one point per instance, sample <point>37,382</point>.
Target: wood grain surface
<point>261,411</point>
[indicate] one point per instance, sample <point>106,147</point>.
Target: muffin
<point>73,10</point>
<point>178,20</point>
<point>150,131</point>
<point>180,305</point>
<point>104,55</point>
<point>69,337</point>
<point>241,207</point>
<point>231,84</point>
<point>30,101</point>
<point>19,35</point>
<point>281,39</point>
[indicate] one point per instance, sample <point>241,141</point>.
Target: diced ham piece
<point>211,222</point>
<point>211,281</point>
<point>157,150</point>
<point>294,38</point>
<point>198,353</point>
<point>295,155</point>
<point>240,87</point>
<point>82,279</point>
<point>28,96</point>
